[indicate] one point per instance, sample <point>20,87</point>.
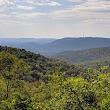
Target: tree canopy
<point>90,90</point>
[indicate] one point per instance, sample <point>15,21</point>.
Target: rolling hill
<point>51,46</point>
<point>87,57</point>
<point>41,65</point>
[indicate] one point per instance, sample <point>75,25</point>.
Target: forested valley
<point>86,58</point>
<point>31,81</point>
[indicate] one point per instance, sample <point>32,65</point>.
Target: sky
<point>54,18</point>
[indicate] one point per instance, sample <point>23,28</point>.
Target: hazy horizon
<point>54,18</point>
<point>47,37</point>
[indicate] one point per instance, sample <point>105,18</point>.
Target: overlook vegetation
<point>57,91</point>
<point>86,58</point>
<point>40,65</point>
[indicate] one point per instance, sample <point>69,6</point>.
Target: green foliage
<point>11,67</point>
<point>61,93</point>
<point>90,90</point>
<point>22,103</point>
<point>12,70</point>
<point>40,65</point>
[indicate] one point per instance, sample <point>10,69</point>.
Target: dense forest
<point>59,87</point>
<point>41,65</point>
<point>86,58</point>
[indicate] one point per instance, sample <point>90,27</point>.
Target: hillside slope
<point>88,91</point>
<point>86,57</point>
<point>40,64</point>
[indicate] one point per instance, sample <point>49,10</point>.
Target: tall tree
<point>11,70</point>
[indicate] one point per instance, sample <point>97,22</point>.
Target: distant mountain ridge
<point>52,46</point>
<point>22,40</point>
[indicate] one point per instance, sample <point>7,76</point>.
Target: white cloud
<point>94,5</point>
<point>7,2</point>
<point>28,19</point>
<point>3,16</point>
<point>31,2</point>
<point>90,9</point>
<point>1,2</point>
<point>52,3</point>
<point>25,7</point>
<point>42,2</point>
<point>30,15</point>
<point>75,0</point>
